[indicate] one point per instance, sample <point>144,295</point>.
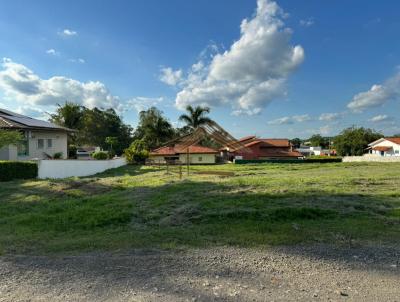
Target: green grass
<point>263,204</point>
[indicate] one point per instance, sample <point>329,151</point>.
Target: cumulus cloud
<point>171,77</point>
<point>67,33</point>
<point>307,22</point>
<point>377,95</point>
<point>142,103</point>
<point>22,84</point>
<point>380,118</point>
<point>287,120</point>
<point>330,117</point>
<point>251,73</point>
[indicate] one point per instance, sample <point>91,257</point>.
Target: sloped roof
<point>11,120</point>
<point>395,140</point>
<point>381,148</point>
<point>272,142</point>
<point>177,149</point>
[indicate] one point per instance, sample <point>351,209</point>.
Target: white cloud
<point>329,117</point>
<point>252,73</point>
<point>325,130</point>
<point>380,118</point>
<point>23,85</point>
<point>377,95</point>
<point>307,22</point>
<point>287,120</point>
<point>171,77</point>
<point>52,52</point>
<point>142,103</point>
<point>67,32</point>
<point>79,60</point>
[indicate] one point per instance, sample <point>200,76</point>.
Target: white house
<point>42,139</point>
<point>387,146</point>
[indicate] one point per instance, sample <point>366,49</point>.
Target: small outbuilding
<point>197,154</point>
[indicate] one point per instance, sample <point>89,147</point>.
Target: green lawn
<point>263,204</point>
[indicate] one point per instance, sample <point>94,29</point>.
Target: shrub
<point>100,155</point>
<point>57,155</point>
<point>10,170</point>
<point>137,152</point>
<point>72,151</point>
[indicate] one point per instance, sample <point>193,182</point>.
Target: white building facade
<point>388,146</point>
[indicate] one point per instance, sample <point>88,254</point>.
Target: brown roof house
<point>265,148</point>
<point>197,154</point>
<point>42,139</point>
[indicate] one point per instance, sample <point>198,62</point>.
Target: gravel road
<point>307,273</point>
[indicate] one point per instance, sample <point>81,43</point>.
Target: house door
<point>382,153</point>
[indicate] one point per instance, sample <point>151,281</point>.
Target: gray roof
<point>12,120</point>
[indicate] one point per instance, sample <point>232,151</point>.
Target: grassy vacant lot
<point>143,207</point>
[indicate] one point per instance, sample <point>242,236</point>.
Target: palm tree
<point>196,116</point>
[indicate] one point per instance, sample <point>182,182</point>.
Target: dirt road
<point>316,273</point>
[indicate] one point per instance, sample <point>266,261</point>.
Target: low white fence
<point>75,167</point>
<point>371,158</point>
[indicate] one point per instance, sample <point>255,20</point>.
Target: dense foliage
<point>137,152</point>
<point>196,116</point>
<point>10,170</point>
<point>353,141</point>
<point>94,126</point>
<point>153,128</point>
<point>8,137</point>
<point>100,155</point>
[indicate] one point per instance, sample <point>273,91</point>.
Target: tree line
<point>104,128</point>
<point>351,141</point>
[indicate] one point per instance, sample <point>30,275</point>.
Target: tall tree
<point>196,116</point>
<point>318,140</point>
<point>8,137</point>
<point>296,142</point>
<point>153,129</point>
<point>354,141</point>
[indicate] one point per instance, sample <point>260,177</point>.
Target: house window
<point>49,143</point>
<point>396,151</point>
<point>200,158</point>
<point>23,148</point>
<point>40,143</point>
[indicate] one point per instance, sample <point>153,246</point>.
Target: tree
<point>94,126</point>
<point>111,140</point>
<point>296,142</point>
<point>137,152</point>
<point>69,115</point>
<point>354,141</point>
<point>319,141</point>
<point>196,116</point>
<point>8,137</point>
<point>154,129</point>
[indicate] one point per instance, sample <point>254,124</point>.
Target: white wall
<point>59,140</point>
<point>371,158</point>
<point>69,168</point>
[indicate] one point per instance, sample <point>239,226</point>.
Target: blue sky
<point>293,68</point>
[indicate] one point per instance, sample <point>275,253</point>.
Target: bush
<point>100,155</point>
<point>137,152</point>
<point>10,170</point>
<point>72,151</point>
<point>57,155</point>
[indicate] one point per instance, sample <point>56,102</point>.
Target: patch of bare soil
<point>310,273</point>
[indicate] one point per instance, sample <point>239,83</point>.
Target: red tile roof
<point>273,142</point>
<point>246,138</point>
<point>395,140</point>
<point>177,149</point>
<point>381,148</point>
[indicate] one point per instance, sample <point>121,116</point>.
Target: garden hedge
<point>10,170</point>
<point>290,161</point>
